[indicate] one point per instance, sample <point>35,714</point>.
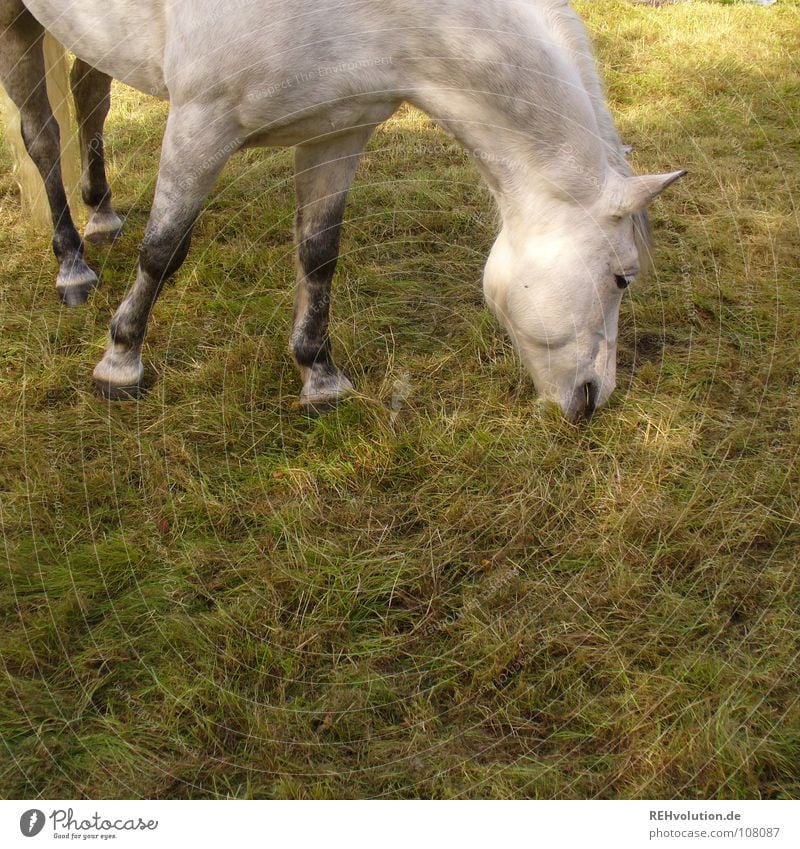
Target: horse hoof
<point>314,408</point>
<point>75,286</point>
<point>103,228</point>
<point>75,296</point>
<point>118,377</point>
<point>323,394</point>
<point>111,392</point>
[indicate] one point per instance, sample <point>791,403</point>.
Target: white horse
<point>513,80</point>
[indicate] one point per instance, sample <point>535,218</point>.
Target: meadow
<point>442,589</point>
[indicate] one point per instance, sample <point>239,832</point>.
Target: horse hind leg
<point>91,90</point>
<point>22,73</point>
<point>324,174</point>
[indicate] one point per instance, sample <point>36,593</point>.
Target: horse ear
<point>636,193</point>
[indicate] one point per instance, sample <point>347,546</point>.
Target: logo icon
<point>31,822</point>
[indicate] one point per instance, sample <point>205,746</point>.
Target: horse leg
<point>91,90</point>
<point>22,73</point>
<point>324,174</point>
<point>194,150</point>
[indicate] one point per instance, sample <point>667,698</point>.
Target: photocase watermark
<point>215,160</point>
<point>31,822</point>
<point>508,163</point>
<point>67,826</point>
<point>146,718</point>
<point>578,163</point>
<point>401,392</point>
<point>319,73</point>
<point>487,590</point>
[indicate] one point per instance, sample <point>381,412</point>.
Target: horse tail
<point>34,203</point>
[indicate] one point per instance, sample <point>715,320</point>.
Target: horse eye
<point>622,281</point>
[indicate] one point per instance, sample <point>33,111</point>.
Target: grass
<point>439,590</point>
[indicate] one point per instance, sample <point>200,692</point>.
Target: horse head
<point>556,284</point>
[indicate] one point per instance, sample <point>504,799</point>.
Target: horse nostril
<point>590,395</point>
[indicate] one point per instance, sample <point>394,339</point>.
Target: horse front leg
<point>22,73</point>
<point>195,148</point>
<point>91,90</point>
<point>324,174</point>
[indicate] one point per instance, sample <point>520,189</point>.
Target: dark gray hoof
<point>102,237</point>
<point>112,392</point>
<point>75,284</point>
<point>119,375</point>
<point>324,392</point>
<point>75,296</point>
<point>103,228</point>
<point>315,409</point>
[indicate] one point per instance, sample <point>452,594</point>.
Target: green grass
<point>438,590</point>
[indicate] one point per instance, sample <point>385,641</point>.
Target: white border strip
<point>352,825</point>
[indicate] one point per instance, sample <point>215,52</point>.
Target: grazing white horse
<point>513,80</point>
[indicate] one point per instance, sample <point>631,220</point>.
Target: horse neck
<point>506,83</point>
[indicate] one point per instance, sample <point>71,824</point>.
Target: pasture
<point>441,589</point>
